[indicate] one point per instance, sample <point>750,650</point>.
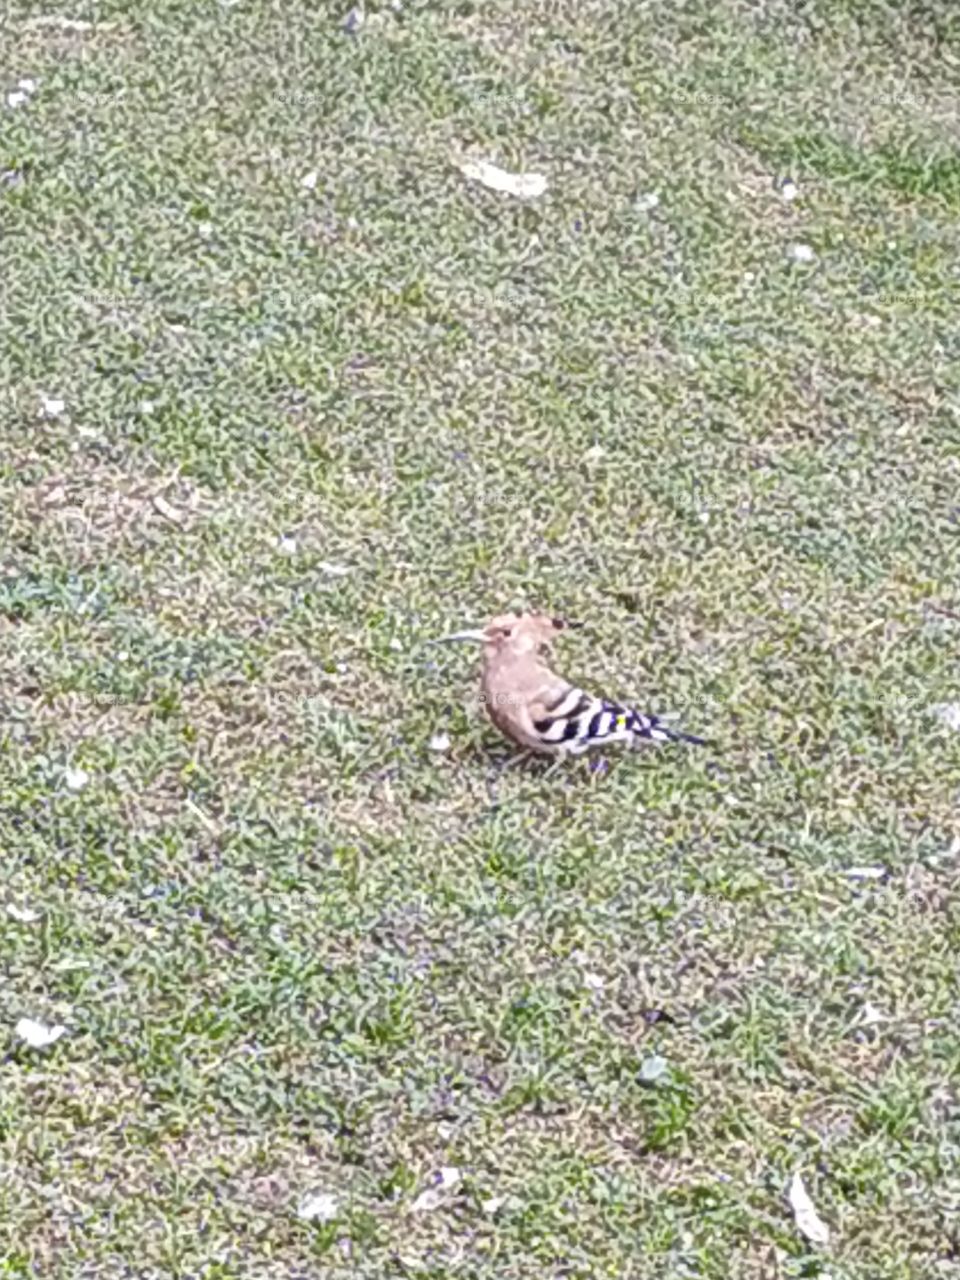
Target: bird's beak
<point>477,635</point>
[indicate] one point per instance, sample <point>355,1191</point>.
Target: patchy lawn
<point>324,399</point>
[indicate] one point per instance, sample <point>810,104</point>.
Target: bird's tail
<point>651,728</point>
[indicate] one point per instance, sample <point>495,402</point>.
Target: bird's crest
<point>517,632</point>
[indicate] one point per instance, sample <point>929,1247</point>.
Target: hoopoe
<point>539,710</point>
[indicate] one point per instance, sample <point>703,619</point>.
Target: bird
<point>538,710</point>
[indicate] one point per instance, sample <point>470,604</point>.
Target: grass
<point>296,950</point>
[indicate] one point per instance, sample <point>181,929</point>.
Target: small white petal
<point>25,915</point>
<point>318,1207</point>
<point>870,1015</point>
<point>51,408</point>
<point>449,1176</point>
<point>802,253</point>
<point>808,1220</point>
<point>36,1034</point>
<point>16,98</point>
<point>593,981</point>
<point>865,873</point>
<point>76,779</point>
<point>396,646</point>
<point>27,84</point>
<point>788,189</point>
<point>492,1205</point>
<point>333,570</point>
<point>439,742</point>
<point>647,202</point>
<point>147,406</point>
<point>287,545</point>
<point>310,180</point>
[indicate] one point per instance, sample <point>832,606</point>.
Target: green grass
<point>299,952</point>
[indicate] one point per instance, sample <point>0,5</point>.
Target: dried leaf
<point>26,915</point>
<point>525,186</point>
<point>948,713</point>
<point>36,1034</point>
<point>653,1069</point>
<point>318,1206</point>
<point>171,513</point>
<point>447,1179</point>
<point>809,1222</point>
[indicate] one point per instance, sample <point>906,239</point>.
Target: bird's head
<point>514,633</point>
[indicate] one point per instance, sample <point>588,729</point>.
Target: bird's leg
<point>521,755</point>
<point>558,760</point>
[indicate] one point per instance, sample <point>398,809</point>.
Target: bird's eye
<point>558,623</point>
<point>506,632</point>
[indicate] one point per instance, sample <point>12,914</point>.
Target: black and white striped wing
<point>576,721</point>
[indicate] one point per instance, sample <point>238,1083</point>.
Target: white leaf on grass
<point>36,1034</point>
<point>51,407</point>
<point>809,1222</point>
<point>310,180</point>
<point>439,742</point>
<point>870,1015</point>
<point>525,186</point>
<point>27,85</point>
<point>318,1206</point>
<point>865,873</point>
<point>492,1205</point>
<point>447,1179</point>
<point>26,915</point>
<point>17,98</point>
<point>169,512</point>
<point>653,1069</point>
<point>948,713</point>
<point>76,779</point>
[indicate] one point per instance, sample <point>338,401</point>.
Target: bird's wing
<point>568,719</point>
